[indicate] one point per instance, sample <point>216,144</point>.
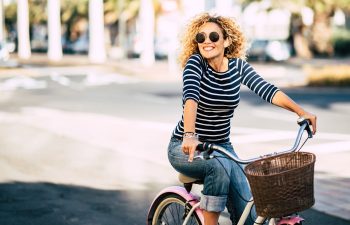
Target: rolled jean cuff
<point>213,203</point>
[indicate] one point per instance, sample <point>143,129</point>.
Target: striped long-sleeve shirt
<point>217,95</point>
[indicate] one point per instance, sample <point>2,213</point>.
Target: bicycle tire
<point>169,210</point>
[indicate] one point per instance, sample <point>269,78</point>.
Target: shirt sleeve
<point>255,82</point>
<point>191,78</point>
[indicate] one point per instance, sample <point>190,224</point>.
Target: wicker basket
<point>283,184</point>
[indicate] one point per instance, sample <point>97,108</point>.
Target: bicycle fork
<point>189,211</point>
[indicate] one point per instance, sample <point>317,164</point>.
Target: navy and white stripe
<point>217,95</point>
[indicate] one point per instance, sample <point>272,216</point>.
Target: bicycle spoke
<point>172,212</point>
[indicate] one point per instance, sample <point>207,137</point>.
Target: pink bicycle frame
<point>192,199</point>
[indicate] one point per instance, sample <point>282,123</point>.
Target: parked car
<point>79,46</point>
<point>161,48</point>
<point>4,52</point>
<point>266,50</point>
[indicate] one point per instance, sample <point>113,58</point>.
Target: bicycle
<point>178,205</point>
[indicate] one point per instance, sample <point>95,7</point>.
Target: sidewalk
<point>38,65</point>
<point>284,74</point>
<point>280,74</point>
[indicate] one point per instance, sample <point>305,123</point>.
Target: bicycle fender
<point>291,220</point>
<point>190,197</point>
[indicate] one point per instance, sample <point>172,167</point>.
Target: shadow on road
<point>48,203</point>
<point>318,97</point>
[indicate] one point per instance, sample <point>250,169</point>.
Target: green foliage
<point>77,8</point>
<point>330,82</point>
<point>341,42</point>
<point>37,12</point>
<point>11,13</point>
<point>331,75</point>
<point>319,6</point>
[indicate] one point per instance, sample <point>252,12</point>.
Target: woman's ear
<point>227,42</point>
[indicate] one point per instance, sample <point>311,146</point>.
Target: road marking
<point>61,79</point>
<point>23,82</point>
<point>339,146</point>
<point>77,125</point>
<point>95,79</point>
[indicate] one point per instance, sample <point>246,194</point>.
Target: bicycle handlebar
<point>209,148</point>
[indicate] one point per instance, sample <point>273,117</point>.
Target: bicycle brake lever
<point>203,156</point>
<point>198,157</point>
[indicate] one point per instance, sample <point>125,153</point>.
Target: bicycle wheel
<point>170,210</point>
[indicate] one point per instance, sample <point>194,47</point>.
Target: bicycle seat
<point>189,181</point>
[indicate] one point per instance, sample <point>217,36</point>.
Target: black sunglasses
<point>213,36</point>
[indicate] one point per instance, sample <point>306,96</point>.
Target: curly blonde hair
<point>231,30</point>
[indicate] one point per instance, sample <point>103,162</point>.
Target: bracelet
<point>190,135</point>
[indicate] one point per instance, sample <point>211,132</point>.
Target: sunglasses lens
<point>214,36</point>
<point>200,38</point>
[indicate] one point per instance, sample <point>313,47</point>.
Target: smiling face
<point>208,48</point>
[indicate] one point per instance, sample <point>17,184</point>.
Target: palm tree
<point>320,30</point>
<point>24,51</point>
<point>97,51</point>
<point>54,30</point>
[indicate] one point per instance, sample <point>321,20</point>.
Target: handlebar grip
<point>200,147</point>
<point>302,121</point>
<point>205,147</point>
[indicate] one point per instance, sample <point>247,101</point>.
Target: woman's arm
<point>270,93</point>
<point>190,142</point>
<point>190,114</point>
<point>190,95</point>
<point>282,100</point>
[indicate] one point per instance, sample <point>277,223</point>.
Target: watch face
<point>301,119</point>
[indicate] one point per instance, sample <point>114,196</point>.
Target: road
<point>88,149</point>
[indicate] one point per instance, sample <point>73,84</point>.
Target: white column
<point>97,51</point>
<point>54,30</point>
<point>24,50</point>
<point>224,7</point>
<point>146,15</point>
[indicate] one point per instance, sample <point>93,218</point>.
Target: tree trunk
<point>97,51</point>
<point>54,31</point>
<point>24,51</point>
<point>301,46</point>
<point>322,34</point>
<point>299,37</point>
<point>121,29</point>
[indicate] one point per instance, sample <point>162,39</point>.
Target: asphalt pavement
<point>332,190</point>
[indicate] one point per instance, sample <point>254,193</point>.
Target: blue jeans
<point>222,180</point>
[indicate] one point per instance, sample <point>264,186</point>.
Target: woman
<point>213,52</point>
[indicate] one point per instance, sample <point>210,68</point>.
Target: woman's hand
<point>189,145</point>
<point>282,100</point>
<point>312,118</point>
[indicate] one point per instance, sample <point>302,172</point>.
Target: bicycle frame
<point>193,200</point>
<point>242,219</point>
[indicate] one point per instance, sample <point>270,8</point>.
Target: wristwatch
<point>300,120</point>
